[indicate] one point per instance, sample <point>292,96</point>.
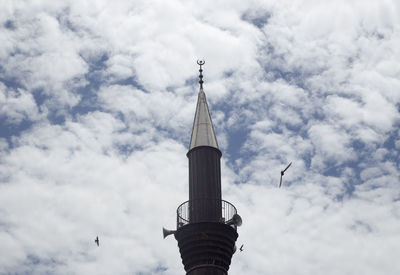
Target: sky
<point>97,100</point>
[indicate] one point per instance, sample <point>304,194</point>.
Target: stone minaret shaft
<point>204,167</point>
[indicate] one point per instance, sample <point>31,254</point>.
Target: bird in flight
<point>241,248</point>
<point>282,173</point>
<point>97,241</point>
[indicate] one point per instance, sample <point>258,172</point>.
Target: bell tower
<point>206,224</point>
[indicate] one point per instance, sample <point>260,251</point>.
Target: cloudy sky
<point>97,100</point>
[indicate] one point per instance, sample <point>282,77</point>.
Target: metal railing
<point>205,210</point>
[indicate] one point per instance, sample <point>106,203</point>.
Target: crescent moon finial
<point>201,63</point>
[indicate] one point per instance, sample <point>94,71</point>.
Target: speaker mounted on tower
<point>236,220</point>
<point>167,232</point>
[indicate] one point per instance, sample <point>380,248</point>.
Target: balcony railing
<point>205,210</point>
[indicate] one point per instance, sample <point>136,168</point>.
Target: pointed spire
<point>203,130</point>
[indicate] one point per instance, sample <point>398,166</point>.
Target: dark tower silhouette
<point>206,225</point>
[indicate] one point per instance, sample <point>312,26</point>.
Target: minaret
<point>206,225</point>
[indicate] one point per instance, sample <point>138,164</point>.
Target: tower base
<point>206,248</point>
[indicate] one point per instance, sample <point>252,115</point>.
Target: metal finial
<point>201,63</point>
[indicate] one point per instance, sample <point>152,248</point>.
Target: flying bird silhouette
<point>241,248</point>
<point>282,173</point>
<point>97,241</point>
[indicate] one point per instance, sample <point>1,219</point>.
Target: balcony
<point>205,210</point>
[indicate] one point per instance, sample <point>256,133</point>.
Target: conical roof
<point>203,130</point>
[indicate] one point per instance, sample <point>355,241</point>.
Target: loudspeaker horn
<point>236,220</point>
<point>167,232</point>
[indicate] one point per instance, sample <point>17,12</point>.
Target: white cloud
<point>331,143</point>
<point>17,105</point>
